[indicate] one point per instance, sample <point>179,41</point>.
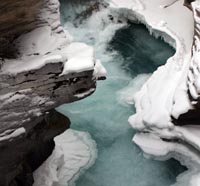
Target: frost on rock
<point>74,152</point>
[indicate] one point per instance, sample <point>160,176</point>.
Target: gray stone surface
<point>27,128</point>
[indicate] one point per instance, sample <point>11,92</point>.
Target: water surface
<point>130,57</point>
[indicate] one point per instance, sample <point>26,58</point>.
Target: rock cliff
<point>16,18</point>
<point>191,117</point>
<point>41,68</point>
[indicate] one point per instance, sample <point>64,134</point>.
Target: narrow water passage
<point>129,58</point>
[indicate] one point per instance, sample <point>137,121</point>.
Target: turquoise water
<point>129,58</point>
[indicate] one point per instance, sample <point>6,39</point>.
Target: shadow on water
<point>141,52</point>
<point>120,162</point>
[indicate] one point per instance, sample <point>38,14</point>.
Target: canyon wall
<point>16,17</point>
<point>40,69</point>
<point>191,117</point>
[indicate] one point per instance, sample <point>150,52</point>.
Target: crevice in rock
<point>28,153</point>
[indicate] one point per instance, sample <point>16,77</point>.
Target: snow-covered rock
<point>74,151</point>
<point>48,70</point>
<point>167,106</point>
<point>163,22</point>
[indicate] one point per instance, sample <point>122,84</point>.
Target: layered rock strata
<point>41,68</point>
<point>21,156</point>
<point>16,18</point>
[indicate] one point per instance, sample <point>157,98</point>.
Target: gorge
<point>45,64</point>
<point>130,58</point>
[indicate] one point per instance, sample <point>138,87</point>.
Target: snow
<point>74,152</point>
<point>12,134</point>
<point>169,15</point>
<point>76,57</point>
<point>154,107</point>
<point>41,40</point>
<point>80,58</point>
<point>12,98</point>
<point>154,147</point>
<point>128,4</point>
<point>86,93</point>
<point>165,94</point>
<point>99,70</point>
<point>49,43</point>
<point>194,70</point>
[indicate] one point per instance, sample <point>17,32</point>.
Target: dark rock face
<point>188,2</point>
<point>192,116</point>
<point>28,123</point>
<point>19,158</point>
<point>16,17</point>
<point>25,99</point>
<point>32,93</point>
<point>189,118</point>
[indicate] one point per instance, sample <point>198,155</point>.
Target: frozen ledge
<point>50,70</point>
<point>76,57</point>
<point>74,152</point>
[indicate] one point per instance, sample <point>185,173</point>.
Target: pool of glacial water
<point>105,113</point>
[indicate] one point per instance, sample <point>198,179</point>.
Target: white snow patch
<point>41,41</point>
<point>153,146</point>
<point>74,152</point>
<point>76,57</point>
<point>84,94</point>
<point>165,94</point>
<point>11,134</point>
<point>155,102</point>
<point>99,70</point>
<point>80,58</point>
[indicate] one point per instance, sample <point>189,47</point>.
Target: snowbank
<point>150,100</point>
<point>165,95</point>
<point>74,152</point>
